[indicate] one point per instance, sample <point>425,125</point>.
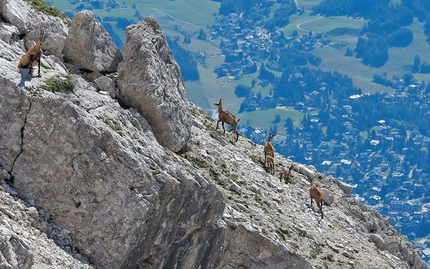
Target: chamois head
<point>219,104</point>
<point>42,38</point>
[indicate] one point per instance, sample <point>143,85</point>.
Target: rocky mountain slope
<point>105,164</point>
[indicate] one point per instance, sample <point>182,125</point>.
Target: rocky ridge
<point>123,172</point>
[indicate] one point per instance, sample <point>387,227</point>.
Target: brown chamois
<point>268,148</point>
<point>225,116</point>
<point>286,174</point>
<point>316,195</point>
<point>32,57</point>
<point>270,164</point>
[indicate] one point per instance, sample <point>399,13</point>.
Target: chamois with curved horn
<point>225,116</point>
<point>33,55</point>
<point>268,148</point>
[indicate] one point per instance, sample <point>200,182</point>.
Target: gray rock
<point>328,196</point>
<point>308,172</point>
<point>347,188</point>
<point>19,13</point>
<point>106,84</point>
<point>8,32</point>
<point>87,175</point>
<point>89,46</point>
<point>150,81</point>
<point>379,241</point>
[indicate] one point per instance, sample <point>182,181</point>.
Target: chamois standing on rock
<point>270,164</point>
<point>269,150</point>
<point>316,195</point>
<point>225,116</point>
<point>32,57</point>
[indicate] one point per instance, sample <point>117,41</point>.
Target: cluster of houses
<point>251,42</point>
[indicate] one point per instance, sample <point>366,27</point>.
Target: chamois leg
<point>222,123</point>
<point>236,132</point>
<point>38,67</point>
<point>217,123</point>
<point>320,207</point>
<point>31,63</point>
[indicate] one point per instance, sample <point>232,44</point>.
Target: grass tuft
<point>114,127</point>
<point>59,84</point>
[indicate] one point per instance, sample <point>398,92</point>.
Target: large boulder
<point>89,46</point>
<point>150,81</point>
<point>20,14</point>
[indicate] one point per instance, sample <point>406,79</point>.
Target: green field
<point>264,118</point>
<point>399,62</point>
<point>307,5</point>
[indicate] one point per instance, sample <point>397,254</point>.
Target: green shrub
<point>59,84</point>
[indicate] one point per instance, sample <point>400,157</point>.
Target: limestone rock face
<point>15,118</point>
<point>89,158</point>
<point>89,46</point>
<point>150,81</point>
<point>22,244</point>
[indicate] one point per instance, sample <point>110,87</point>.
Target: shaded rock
<point>248,249</point>
<point>150,81</point>
<point>106,84</point>
<point>22,242</point>
<point>89,46</point>
<point>13,111</point>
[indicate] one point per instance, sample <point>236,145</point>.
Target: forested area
<point>386,26</point>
